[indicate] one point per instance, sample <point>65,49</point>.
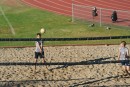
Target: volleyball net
<point>23,42</point>
<point>20,51</point>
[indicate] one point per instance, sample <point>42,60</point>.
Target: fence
<point>84,13</point>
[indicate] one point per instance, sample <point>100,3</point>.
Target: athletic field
<point>20,20</point>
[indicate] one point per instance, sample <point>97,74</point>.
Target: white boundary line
<point>83,6</point>
<point>116,5</point>
<point>45,8</point>
<point>7,20</point>
<point>82,12</point>
<point>94,3</point>
<point>37,1</point>
<point>65,2</point>
<point>51,6</point>
<point>58,4</point>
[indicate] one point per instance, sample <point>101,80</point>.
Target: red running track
<point>65,7</point>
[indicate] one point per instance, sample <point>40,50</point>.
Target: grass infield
<point>27,21</point>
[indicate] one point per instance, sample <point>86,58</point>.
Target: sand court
<point>69,67</point>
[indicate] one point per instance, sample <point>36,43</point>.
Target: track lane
<point>64,7</point>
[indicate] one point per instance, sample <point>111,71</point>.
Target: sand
<point>108,74</point>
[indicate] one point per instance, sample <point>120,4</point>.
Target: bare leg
<point>35,64</point>
<point>43,60</point>
<point>128,69</point>
<point>124,69</point>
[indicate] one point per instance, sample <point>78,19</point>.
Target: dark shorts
<point>125,62</point>
<point>38,54</point>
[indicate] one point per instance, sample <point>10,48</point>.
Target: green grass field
<point>27,21</point>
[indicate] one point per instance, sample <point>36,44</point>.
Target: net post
<point>72,11</point>
<point>100,17</point>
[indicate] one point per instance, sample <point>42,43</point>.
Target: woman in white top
<point>39,52</point>
<point>123,57</point>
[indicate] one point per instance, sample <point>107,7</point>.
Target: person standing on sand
<point>39,52</point>
<point>123,57</point>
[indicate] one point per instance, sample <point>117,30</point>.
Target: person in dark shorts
<point>39,51</point>
<point>124,58</point>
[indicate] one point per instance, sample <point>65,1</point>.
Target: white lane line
<point>7,20</point>
<point>29,3</point>
<point>51,6</point>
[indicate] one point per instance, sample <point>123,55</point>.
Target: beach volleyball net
<point>22,49</point>
<point>30,42</point>
<point>81,13</point>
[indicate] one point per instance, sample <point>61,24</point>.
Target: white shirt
<point>38,43</point>
<point>123,53</point>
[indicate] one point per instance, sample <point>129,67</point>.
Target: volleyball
<point>42,31</point>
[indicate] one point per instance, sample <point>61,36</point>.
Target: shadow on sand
<point>88,62</point>
<point>85,82</point>
<point>88,82</point>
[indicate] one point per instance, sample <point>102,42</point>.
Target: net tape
<point>89,62</point>
<point>65,39</point>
